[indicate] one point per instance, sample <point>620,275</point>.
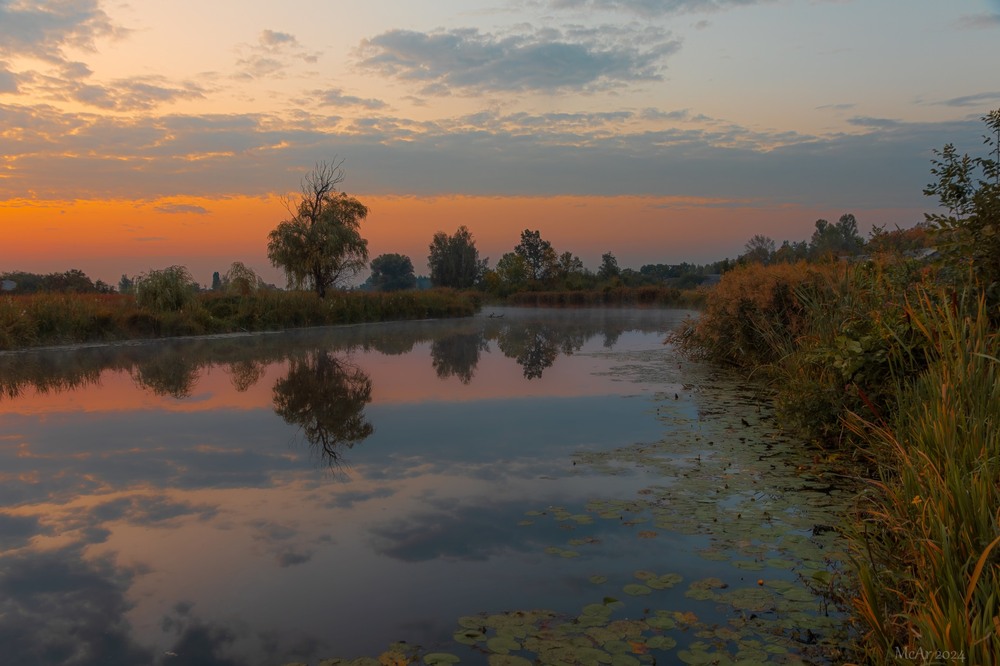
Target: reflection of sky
<point>205,526</point>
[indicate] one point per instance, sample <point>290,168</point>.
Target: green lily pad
<point>635,589</point>
<point>502,644</point>
<point>440,658</point>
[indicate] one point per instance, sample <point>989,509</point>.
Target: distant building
<point>8,285</point>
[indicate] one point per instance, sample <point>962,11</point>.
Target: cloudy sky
<point>140,134</point>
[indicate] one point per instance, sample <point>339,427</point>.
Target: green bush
<point>167,290</point>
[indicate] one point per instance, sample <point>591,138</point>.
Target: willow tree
<point>320,247</point>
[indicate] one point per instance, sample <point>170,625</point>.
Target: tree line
<point>319,247</point>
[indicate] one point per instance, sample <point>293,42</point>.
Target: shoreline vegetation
<point>51,319</point>
<point>894,363</point>
<point>48,319</point>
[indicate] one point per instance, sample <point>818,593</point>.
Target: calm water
<point>289,497</point>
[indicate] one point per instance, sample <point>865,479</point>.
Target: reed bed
<point>611,296</point>
<point>57,319</point>
<point>898,368</point>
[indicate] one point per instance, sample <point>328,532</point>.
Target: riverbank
<point>894,365</point>
<point>58,319</point>
<point>609,296</point>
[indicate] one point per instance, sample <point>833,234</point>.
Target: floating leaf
<point>636,590</point>
<point>440,658</point>
<point>502,644</point>
<point>598,580</point>
<point>507,660</point>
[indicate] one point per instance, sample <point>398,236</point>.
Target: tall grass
<point>53,319</point>
<point>888,362</point>
<point>926,546</point>
<point>645,295</point>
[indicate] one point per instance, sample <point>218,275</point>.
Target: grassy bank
<point>52,319</point>
<point>896,365</point>
<point>610,296</point>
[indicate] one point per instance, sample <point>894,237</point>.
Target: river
<point>526,485</point>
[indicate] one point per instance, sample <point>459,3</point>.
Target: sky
<point>144,134</point>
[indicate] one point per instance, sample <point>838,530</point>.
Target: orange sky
<point>661,131</point>
<point>106,239</point>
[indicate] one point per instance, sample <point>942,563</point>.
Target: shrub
<point>167,290</point>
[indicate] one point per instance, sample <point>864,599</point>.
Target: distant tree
<point>789,253</point>
<point>216,281</point>
<point>320,246</point>
<point>609,267</point>
<point>169,289</point>
<point>392,272</point>
<point>659,272</point>
<point>572,272</point>
<point>538,255</point>
<point>898,241</point>
<point>454,260</point>
<point>511,274</point>
<point>839,238</point>
<point>125,285</point>
<point>241,279</point>
<point>758,250</point>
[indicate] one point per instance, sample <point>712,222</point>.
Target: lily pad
<point>636,590</point>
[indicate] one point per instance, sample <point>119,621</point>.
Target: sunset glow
<point>663,131</point>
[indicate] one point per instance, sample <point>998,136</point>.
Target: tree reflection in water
<point>458,355</point>
<point>326,398</point>
<point>167,372</point>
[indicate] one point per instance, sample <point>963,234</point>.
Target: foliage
<point>753,315</point>
<point>608,269</point>
<point>47,319</point>
<point>240,279</point>
<point>320,246</point>
<point>836,239</point>
<point>899,241</point>
<point>73,281</point>
<point>969,189</point>
<point>454,260</point>
<point>538,255</point>
<point>510,275</point>
<point>927,547</point>
<point>610,296</point>
<point>759,250</point>
<point>166,290</point>
<point>392,272</point>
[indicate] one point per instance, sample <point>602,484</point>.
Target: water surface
<point>287,497</point>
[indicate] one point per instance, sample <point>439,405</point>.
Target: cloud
<point>336,97</point>
<point>16,531</point>
<point>984,21</point>
<point>42,29</point>
<point>62,155</point>
<point>273,39</point>
<point>181,209</point>
<point>273,53</point>
<point>56,607</point>
<point>546,60</point>
<point>837,107</point>
<point>649,8</point>
<point>982,100</point>
<point>8,79</point>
